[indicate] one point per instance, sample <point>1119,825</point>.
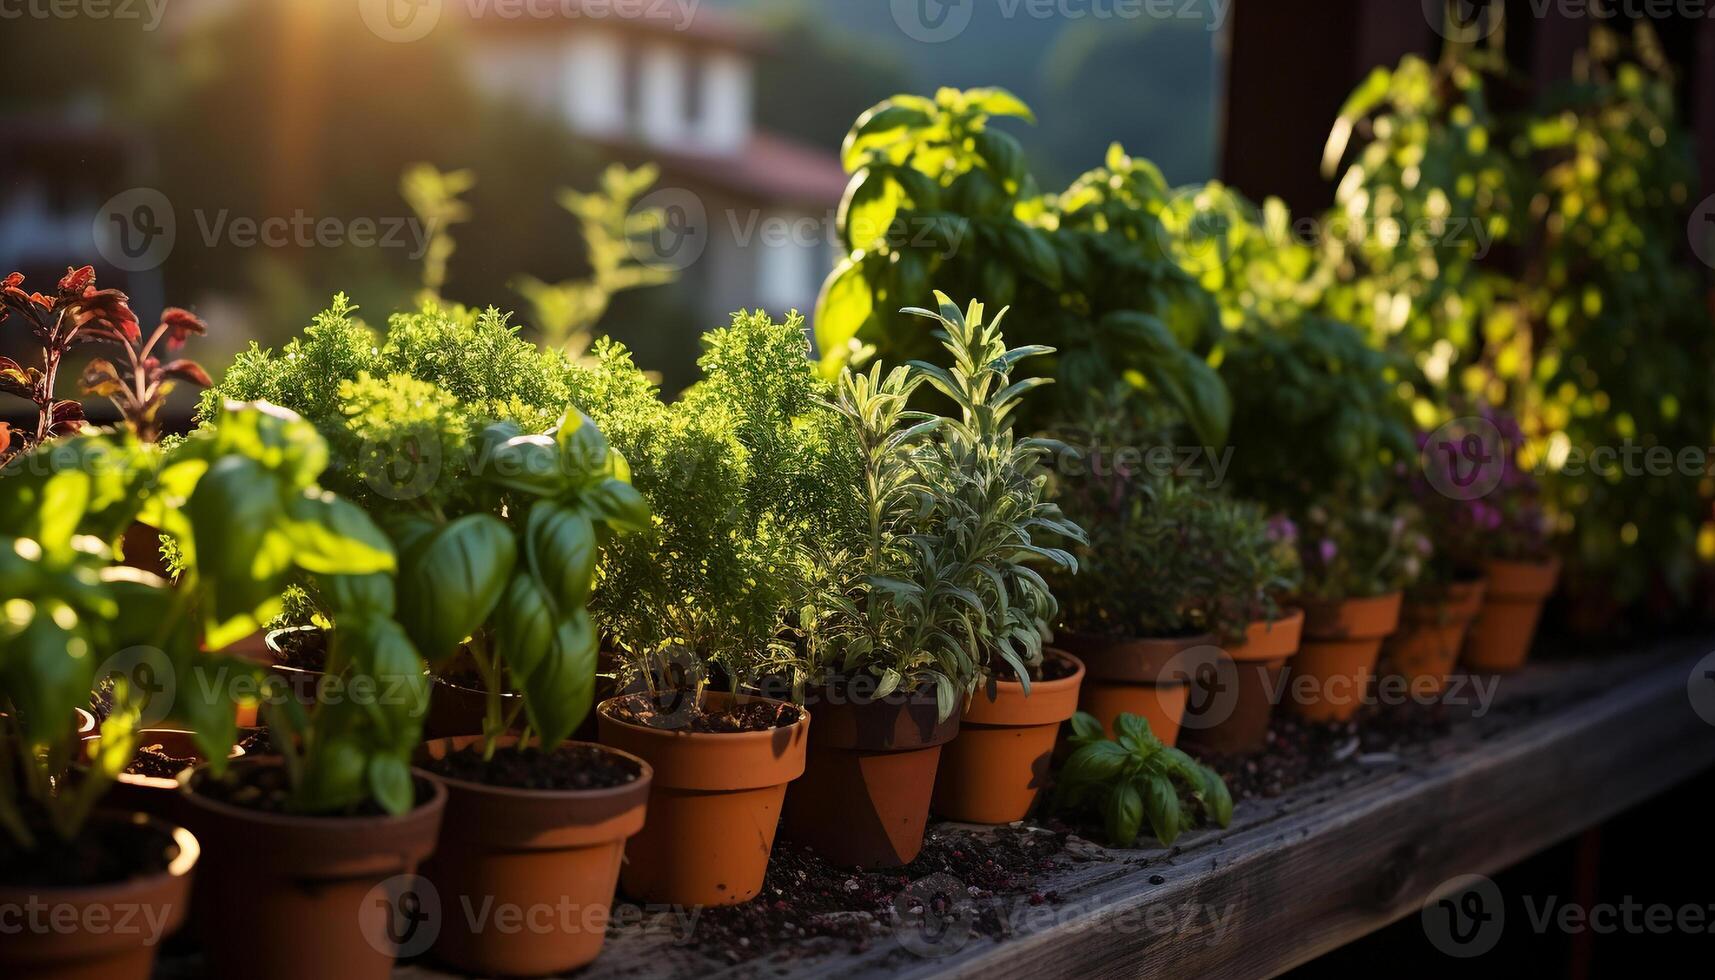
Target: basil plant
<point>239,501</point>
<point>510,585</point>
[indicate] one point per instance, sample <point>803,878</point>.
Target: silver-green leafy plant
<point>940,590</point>
<point>1132,778</point>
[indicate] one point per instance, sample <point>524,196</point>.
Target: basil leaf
<point>451,582</point>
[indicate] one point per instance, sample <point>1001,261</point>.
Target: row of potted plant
<point>819,597</point>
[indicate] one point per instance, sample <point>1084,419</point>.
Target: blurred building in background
<point>749,213</point>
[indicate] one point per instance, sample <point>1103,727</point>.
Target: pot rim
<point>437,800</point>
<point>190,851</point>
<point>1057,684</point>
<point>645,774</point>
<point>163,782</point>
<point>766,734</point>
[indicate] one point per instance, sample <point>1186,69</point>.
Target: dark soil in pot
<point>128,871</point>
<point>680,711</point>
<point>267,789</point>
<point>300,649</point>
<point>571,767</point>
<point>1051,669</point>
<point>103,854</point>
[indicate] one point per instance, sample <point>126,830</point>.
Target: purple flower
<point>1327,550</point>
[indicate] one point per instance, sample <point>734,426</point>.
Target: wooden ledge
<point>1563,747</point>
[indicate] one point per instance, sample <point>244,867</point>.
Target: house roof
<point>691,20</point>
<point>771,169</point>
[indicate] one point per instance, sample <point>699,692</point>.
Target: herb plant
<point>458,437</point>
<point>1133,778</point>
<point>1167,554</point>
<point>740,474</point>
<point>75,313</point>
<point>939,586</point>
<point>940,195</point>
<point>243,509</point>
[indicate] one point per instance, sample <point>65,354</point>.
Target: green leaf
<point>390,783</point>
<point>583,449</point>
<point>1125,815</point>
<point>946,697</point>
<point>560,546</point>
<point>358,595</point>
<point>879,126</point>
<point>1001,152</point>
<point>331,535</point>
<point>1085,726</point>
<point>1097,762</point>
<point>999,102</point>
<point>524,625</point>
<point>558,693</point>
<point>450,582</point>
<point>871,202</point>
<point>845,304</point>
<point>242,554</point>
<point>531,464</point>
<point>618,504</point>
<point>1161,805</point>
<point>890,680</point>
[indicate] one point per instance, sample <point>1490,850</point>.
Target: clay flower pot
<point>863,800</point>
<point>283,896</point>
<point>992,772</point>
<point>1500,636</point>
<point>531,853</point>
<point>157,796</point>
<point>1146,677</point>
<point>1426,648</point>
<point>124,948</point>
<point>305,683</point>
<point>1342,641</point>
<point>714,805</point>
<point>1232,704</point>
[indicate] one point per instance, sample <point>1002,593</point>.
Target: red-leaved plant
<point>79,313</point>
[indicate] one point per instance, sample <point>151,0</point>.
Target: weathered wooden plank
<point>1321,876</point>
<point>1566,746</point>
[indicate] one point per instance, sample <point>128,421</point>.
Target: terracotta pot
<point>130,911</point>
<point>283,896</point>
<point>1342,641</point>
<point>863,800</point>
<point>1148,677</point>
<point>157,796</point>
<point>456,710</point>
<point>549,856</point>
<point>305,684</point>
<point>992,772</point>
<point>713,808</point>
<point>1426,648</point>
<point>1233,698</point>
<point>1500,637</point>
